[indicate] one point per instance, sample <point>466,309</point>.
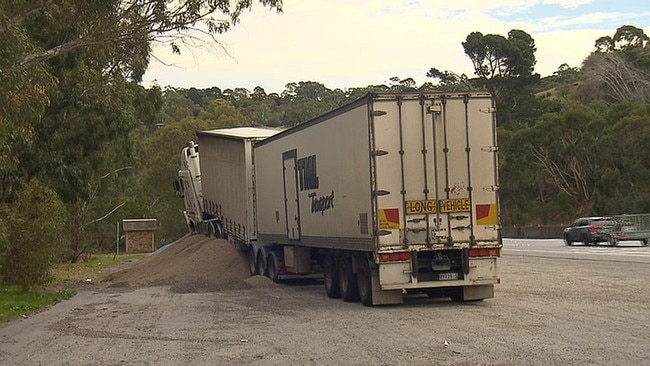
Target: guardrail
<point>532,232</point>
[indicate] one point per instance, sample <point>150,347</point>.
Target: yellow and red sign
<point>389,218</point>
<point>486,214</point>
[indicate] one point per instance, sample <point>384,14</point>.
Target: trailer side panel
<point>313,185</point>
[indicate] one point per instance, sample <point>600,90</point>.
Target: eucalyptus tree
<point>619,68</point>
<point>73,115</point>
<point>505,67</point>
<point>161,150</point>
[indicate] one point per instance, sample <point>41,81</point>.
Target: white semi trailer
<point>226,161</point>
<point>390,195</point>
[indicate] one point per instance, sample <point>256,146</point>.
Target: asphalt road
<point>626,251</point>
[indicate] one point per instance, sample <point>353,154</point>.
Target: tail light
<point>593,228</point>
<point>484,252</point>
<point>394,257</point>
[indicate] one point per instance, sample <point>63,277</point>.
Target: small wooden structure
<point>139,234</point>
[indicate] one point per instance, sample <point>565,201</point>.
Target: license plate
<point>448,276</point>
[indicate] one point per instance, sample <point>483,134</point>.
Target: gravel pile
<point>192,264</point>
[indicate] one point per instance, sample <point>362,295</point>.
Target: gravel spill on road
<point>192,264</point>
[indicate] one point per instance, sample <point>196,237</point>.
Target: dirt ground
<point>194,303</point>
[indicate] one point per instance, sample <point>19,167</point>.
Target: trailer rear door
<point>435,172</point>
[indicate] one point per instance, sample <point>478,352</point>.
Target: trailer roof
<point>369,99</point>
<point>243,132</point>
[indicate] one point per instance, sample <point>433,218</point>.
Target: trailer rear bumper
<point>481,272</point>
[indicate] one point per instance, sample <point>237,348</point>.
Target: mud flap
<point>478,292</point>
<point>465,259</point>
<point>383,297</point>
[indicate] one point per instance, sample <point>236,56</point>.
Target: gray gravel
<point>545,312</point>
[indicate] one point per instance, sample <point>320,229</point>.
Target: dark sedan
<point>591,231</point>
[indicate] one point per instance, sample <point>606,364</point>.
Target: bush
<point>35,227</point>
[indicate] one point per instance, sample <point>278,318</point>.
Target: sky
<point>355,43</point>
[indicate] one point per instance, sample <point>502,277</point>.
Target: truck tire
<point>193,228</point>
<point>331,277</point>
<point>364,281</point>
<point>347,279</point>
<point>217,230</point>
<point>456,294</point>
<point>261,263</point>
<point>273,266</point>
<point>209,230</point>
<point>252,260</point>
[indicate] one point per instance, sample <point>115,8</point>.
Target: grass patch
<point>69,274</point>
<point>16,303</point>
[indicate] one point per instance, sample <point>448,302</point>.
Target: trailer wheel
<point>252,260</point>
<point>347,279</point>
<point>209,230</point>
<point>273,266</point>
<point>331,278</point>
<point>261,263</point>
<point>456,294</point>
<point>217,230</point>
<point>364,281</point>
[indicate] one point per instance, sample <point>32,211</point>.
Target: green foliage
<point>71,113</point>
<point>4,242</point>
<point>36,236</point>
<point>15,302</point>
<point>77,121</point>
<point>161,156</point>
<point>582,160</point>
<point>122,26</point>
<point>505,67</point>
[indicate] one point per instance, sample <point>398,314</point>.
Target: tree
<point>505,68</point>
<point>156,196</point>
<point>619,68</point>
<point>72,113</point>
<point>121,23</point>
<point>611,77</point>
<point>624,184</point>
<point>36,236</point>
<point>449,80</point>
<point>402,85</point>
<point>305,100</point>
<point>629,36</point>
<point>112,36</point>
<point>221,114</point>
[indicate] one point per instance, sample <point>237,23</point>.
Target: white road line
<point>627,253</point>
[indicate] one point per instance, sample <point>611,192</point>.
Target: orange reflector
<point>485,252</point>
<point>392,257</point>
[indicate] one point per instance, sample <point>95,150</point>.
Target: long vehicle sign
<point>418,207</point>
